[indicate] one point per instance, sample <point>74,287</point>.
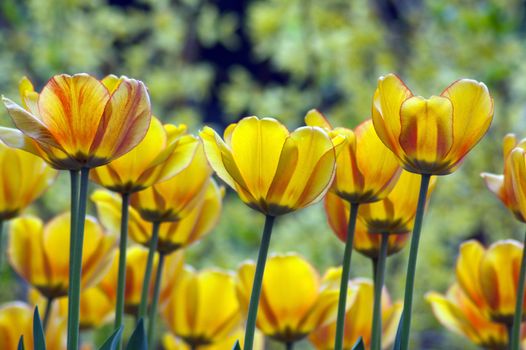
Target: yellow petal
<point>316,118</point>
<point>468,271</point>
<point>28,95</point>
<point>516,190</point>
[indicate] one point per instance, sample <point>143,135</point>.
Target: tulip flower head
<point>202,308</point>
<point>273,171</point>
<point>431,136</point>
<point>78,121</point>
<point>171,342</point>
<point>360,177</point>
<point>37,253</point>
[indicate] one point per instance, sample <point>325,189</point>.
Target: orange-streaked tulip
<point>431,136</point>
<point>174,199</point>
<point>24,178</point>
<point>202,308</point>
<point>510,187</point>
<point>489,277</point>
<point>294,301</point>
<point>358,317</point>
<point>457,312</point>
<point>78,121</point>
<point>171,342</point>
<point>164,152</point>
<point>272,170</point>
<point>365,241</point>
<point>360,178</point>
<point>37,252</point>
<point>16,319</point>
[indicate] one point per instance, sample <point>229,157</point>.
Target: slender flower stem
<point>121,281</point>
<point>155,302</point>
<point>517,317</point>
<point>376,335</point>
<point>346,274</point>
<point>289,345</point>
<point>74,310</point>
<point>47,313</point>
<point>509,328</point>
<point>411,264</point>
<point>74,179</point>
<point>258,280</point>
<point>148,273</point>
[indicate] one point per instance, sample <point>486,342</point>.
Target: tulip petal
<point>495,183</point>
<point>29,96</point>
<point>468,271</point>
<point>316,118</point>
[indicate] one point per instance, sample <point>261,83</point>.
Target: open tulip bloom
<point>430,137</point>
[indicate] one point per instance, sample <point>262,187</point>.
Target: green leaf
<point>398,339</point>
<point>38,332</point>
<point>138,339</point>
<point>112,342</point>
<point>359,345</point>
<point>236,346</point>
<point>21,343</point>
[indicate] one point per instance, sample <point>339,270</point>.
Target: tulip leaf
<point>359,345</point>
<point>38,332</point>
<point>112,342</point>
<point>21,343</point>
<point>398,339</point>
<point>138,339</point>
<point>236,346</point>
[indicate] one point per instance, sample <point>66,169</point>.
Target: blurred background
<point>213,62</point>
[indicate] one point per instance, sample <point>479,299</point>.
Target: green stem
<point>375,267</point>
<point>346,274</point>
<point>74,311</point>
<point>155,302</point>
<point>148,273</point>
<point>509,328</point>
<point>411,264</point>
<point>376,335</point>
<point>517,317</point>
<point>74,179</point>
<point>47,313</point>
<point>258,280</point>
<point>121,281</point>
<point>289,345</point>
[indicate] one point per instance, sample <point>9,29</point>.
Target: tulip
<point>273,171</point>
<point>359,316</point>
<point>510,188</point>
<point>192,311</point>
<point>16,319</point>
<point>294,299</point>
<point>429,137</point>
<point>173,343</point>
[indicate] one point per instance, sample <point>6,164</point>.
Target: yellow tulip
<point>359,316</point>
<point>171,342</point>
<point>38,253</point>
<point>202,308</point>
<point>78,121</point>
<point>16,319</point>
<point>24,178</point>
<point>272,170</point>
<point>509,187</point>
<point>173,199</point>
<point>360,178</point>
<point>164,152</point>
<point>431,136</point>
<point>294,301</point>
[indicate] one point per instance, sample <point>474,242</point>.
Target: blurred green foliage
<point>299,54</point>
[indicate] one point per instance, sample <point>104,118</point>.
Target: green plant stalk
<point>376,335</point>
<point>47,313</point>
<point>148,273</point>
<point>289,345</point>
<point>74,204</point>
<point>346,274</point>
<point>514,339</point>
<point>155,302</point>
<point>76,265</point>
<point>411,264</point>
<point>121,281</point>
<point>509,328</point>
<point>258,280</point>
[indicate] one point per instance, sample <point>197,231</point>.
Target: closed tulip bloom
<point>171,342</point>
<point>24,178</point>
<point>202,308</point>
<point>360,178</point>
<point>294,301</point>
<point>164,152</point>
<point>37,252</point>
<point>273,171</point>
<point>16,319</point>
<point>173,199</point>
<point>96,308</point>
<point>431,136</point>
<point>358,317</point>
<point>78,121</point>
